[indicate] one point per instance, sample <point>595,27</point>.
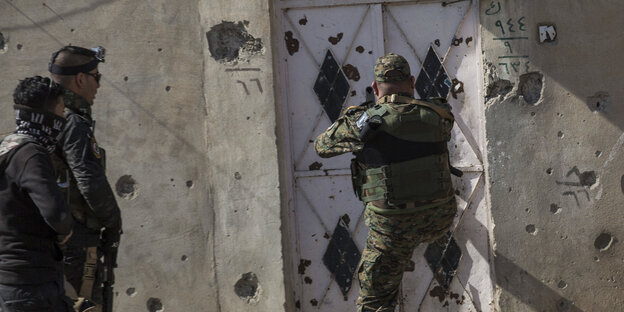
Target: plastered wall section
<point>554,129</point>
<point>243,165</point>
<point>191,156</point>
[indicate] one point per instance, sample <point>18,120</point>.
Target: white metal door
<point>326,62</point>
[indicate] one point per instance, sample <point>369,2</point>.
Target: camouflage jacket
<point>342,136</point>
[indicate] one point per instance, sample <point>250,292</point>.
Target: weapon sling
<point>88,273</point>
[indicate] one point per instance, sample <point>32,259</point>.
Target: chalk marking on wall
<point>258,83</point>
<point>241,69</point>
<point>244,86</point>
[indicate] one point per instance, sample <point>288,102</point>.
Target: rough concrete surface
<point>191,150</point>
<point>555,137</point>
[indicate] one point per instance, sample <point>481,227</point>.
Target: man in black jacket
<point>81,170</point>
<point>34,218</point>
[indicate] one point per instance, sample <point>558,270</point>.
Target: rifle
<point>110,263</point>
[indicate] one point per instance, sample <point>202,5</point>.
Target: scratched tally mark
<point>584,180</point>
<point>243,83</point>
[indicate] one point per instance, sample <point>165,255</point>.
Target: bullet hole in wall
<point>315,166</point>
<point>562,285</point>
<point>438,292</point>
<point>292,44</point>
<point>19,46</point>
<point>560,134</point>
<point>184,258</point>
<point>2,42</point>
<point>498,88</point>
<point>335,40</point>
<point>303,20</point>
<point>168,88</point>
<point>351,72</point>
<point>599,102</point>
<point>229,41</point>
<point>126,78</point>
<point>598,153</point>
<point>237,176</point>
<point>247,286</point>
<point>303,264</point>
<point>126,187</point>
<point>530,87</point>
<point>603,242</point>
<point>531,229</point>
<point>549,171</point>
<point>131,291</point>
<point>359,49</point>
<point>307,280</point>
<point>154,305</point>
<point>555,209</point>
<point>72,30</point>
<point>314,302</point>
<point>159,49</point>
<point>189,183</point>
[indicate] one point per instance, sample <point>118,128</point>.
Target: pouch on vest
<point>420,179</point>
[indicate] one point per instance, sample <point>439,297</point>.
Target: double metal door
<point>325,65</point>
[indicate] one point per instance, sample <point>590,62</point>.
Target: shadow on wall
<point>509,275</point>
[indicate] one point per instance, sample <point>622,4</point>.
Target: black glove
<point>110,238</point>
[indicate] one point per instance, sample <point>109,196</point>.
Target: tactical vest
<point>407,160</point>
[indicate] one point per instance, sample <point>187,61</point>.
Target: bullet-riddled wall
<point>186,114</point>
<point>554,124</point>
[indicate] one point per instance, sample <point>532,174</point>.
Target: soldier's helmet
<point>391,68</point>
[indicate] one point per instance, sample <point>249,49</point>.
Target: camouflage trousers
<point>389,246</point>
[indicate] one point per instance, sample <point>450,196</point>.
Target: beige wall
<point>201,151</point>
<point>548,243</point>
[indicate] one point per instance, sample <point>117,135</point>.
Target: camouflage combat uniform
<point>395,230</point>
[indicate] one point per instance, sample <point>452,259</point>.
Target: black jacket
<point>90,192</point>
<point>32,215</point>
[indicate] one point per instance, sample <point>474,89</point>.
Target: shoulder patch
<point>95,148</point>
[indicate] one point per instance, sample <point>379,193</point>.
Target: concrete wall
<point>192,151</point>
<point>554,150</point>
<point>186,112</point>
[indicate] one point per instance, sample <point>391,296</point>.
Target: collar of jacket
<point>77,104</point>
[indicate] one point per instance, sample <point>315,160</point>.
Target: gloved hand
<point>62,239</point>
<point>110,238</point>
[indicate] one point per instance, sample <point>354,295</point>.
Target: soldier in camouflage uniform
<point>400,172</point>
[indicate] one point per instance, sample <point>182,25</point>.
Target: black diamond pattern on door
<point>331,87</point>
<point>443,258</point>
<point>432,81</point>
<point>342,256</point>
